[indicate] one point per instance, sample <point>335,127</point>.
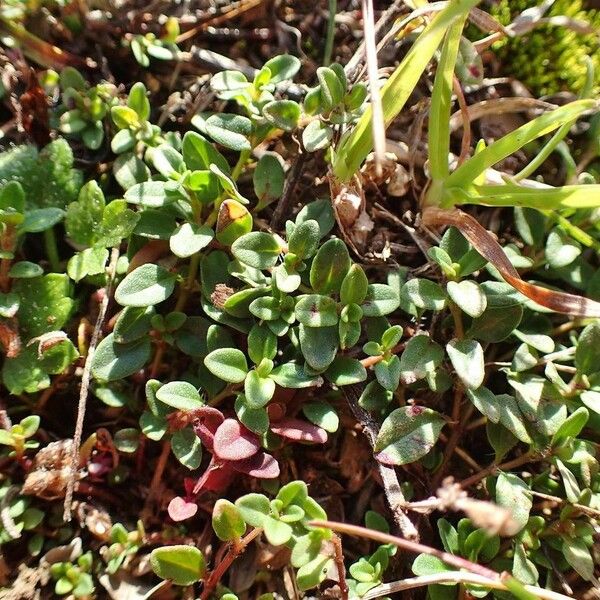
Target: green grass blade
<point>568,196</point>
<point>355,146</point>
<point>441,104</point>
<point>515,140</point>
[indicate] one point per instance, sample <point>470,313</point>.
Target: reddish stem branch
<point>237,547</point>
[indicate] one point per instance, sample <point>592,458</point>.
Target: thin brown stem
<point>341,569</point>
<point>85,384</point>
<point>159,469</point>
<point>393,587</point>
<point>237,547</point>
<point>507,466</point>
<point>389,479</point>
<point>409,546</point>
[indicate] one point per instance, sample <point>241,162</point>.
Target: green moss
<point>551,58</point>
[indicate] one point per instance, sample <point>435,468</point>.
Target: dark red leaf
<point>234,442</point>
<point>299,431</point>
<point>261,465</point>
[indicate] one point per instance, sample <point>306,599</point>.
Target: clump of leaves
<point>147,46</point>
<point>554,57</point>
<point>74,578</point>
<point>83,108</point>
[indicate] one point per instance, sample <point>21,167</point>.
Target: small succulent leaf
<point>284,114</point>
<point>578,555</point>
<point>113,361</point>
<point>329,267</point>
<point>268,178</point>
<point>407,434</point>
<point>468,361</point>
<point>468,296</point>
<point>189,239</point>
<point>420,357</point>
<point>381,300</point>
<point>187,448</point>
<point>234,442</point>
<point>388,372</point>
<point>233,222</point>
<point>259,390</point>
<point>228,364</point>
<point>317,136</point>
<point>425,294</point>
<point>147,285</point>
<point>254,508</point>
<point>183,565</point>
<point>346,371</point>
<point>293,375</point>
<point>319,346</point>
<point>322,414</point>
<point>257,249</point>
<point>304,240</point>
<point>227,522</point>
<point>354,286</point>
<point>315,310</point>
<point>180,395</point>
<point>513,494</point>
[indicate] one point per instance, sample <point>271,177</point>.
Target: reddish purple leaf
<point>181,509</point>
<point>206,424</point>
<point>234,442</point>
<point>261,465</point>
<point>218,479</point>
<point>299,431</point>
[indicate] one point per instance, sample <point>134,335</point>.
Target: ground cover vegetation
<point>299,301</point>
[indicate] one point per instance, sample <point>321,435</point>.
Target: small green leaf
<point>425,294</point>
<point>284,114</point>
<point>572,426</point>
<point>133,323</point>
<point>407,434</point>
<point>257,249</point>
<point>346,371</point>
<point>587,354</point>
<point>227,522</point>
<point>304,240</point>
<point>187,448</point>
<point>150,194</point>
<point>513,494</point>
<point>381,299</point>
<point>228,364</point>
<point>577,554</point>
<point>293,375</point>
<point>314,310</point>
<point>114,361</point>
<point>329,267</point>
<point>183,565</point>
<point>468,296</point>
<point>317,136</point>
<point>388,372</point>
<point>147,285</point>
<point>420,357</point>
<point>91,261</point>
<point>190,239</point>
<point>259,390</point>
<point>322,414</point>
<point>180,394</point>
<point>354,286</point>
<point>468,361</point>
<point>268,178</point>
<point>319,345</point>
<point>254,508</point>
